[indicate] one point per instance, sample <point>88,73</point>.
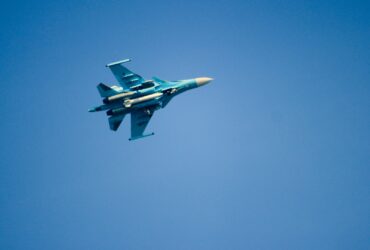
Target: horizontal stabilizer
<point>115,121</point>
<point>105,90</point>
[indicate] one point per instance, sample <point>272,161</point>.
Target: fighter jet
<point>139,97</point>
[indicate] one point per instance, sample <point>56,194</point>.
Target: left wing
<point>139,120</point>
<point>166,100</point>
<point>125,77</point>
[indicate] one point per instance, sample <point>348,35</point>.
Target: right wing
<point>139,120</point>
<point>125,77</point>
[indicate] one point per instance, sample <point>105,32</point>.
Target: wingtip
<point>118,62</point>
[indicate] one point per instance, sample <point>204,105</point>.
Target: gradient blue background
<point>274,154</point>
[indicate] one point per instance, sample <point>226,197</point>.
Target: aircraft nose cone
<point>202,81</point>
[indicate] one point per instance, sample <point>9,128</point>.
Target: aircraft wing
<point>139,120</point>
<point>166,100</point>
<point>124,76</point>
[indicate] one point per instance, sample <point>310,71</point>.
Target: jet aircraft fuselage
<point>139,97</point>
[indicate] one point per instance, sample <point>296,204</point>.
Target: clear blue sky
<point>274,154</point>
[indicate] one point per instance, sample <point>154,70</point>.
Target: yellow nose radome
<point>202,81</point>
